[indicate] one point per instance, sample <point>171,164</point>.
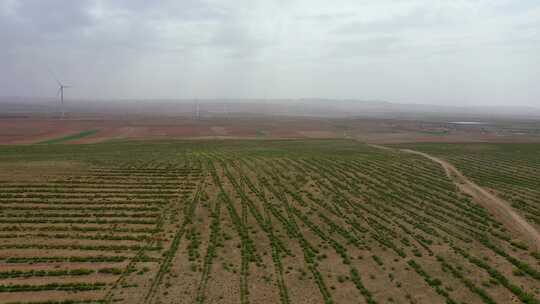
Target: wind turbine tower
<point>61,92</point>
<point>198,110</point>
<point>61,88</point>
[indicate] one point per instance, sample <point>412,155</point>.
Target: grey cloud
<point>53,16</point>
<point>41,20</point>
<point>185,10</point>
<point>374,47</point>
<point>513,7</point>
<point>212,48</point>
<point>416,19</point>
<point>327,17</point>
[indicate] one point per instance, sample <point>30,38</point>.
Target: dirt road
<point>502,209</point>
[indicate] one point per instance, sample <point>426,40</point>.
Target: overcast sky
<point>475,52</point>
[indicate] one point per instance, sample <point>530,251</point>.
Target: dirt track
<point>497,206</point>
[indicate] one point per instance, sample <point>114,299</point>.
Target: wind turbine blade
<point>54,76</point>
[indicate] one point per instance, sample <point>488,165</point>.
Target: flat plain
<point>259,221</point>
<point>81,128</point>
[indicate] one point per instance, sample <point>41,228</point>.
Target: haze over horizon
<point>465,53</point>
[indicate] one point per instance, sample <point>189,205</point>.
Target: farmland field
<point>261,221</point>
<point>512,171</point>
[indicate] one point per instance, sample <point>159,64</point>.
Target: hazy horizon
<point>53,101</point>
<point>459,53</point>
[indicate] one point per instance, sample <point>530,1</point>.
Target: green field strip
<point>71,137</point>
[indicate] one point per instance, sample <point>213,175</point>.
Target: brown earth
<point>31,129</point>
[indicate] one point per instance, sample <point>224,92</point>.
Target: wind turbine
<point>61,88</point>
<point>197,110</point>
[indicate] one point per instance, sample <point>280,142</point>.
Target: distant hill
<point>317,107</point>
